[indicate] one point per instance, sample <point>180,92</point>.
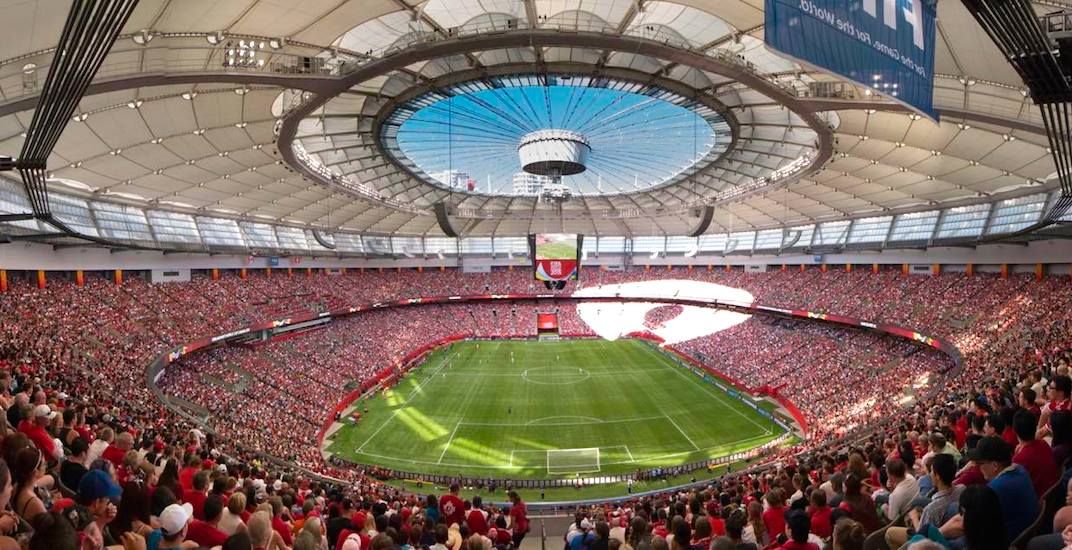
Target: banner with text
<point>887,45</point>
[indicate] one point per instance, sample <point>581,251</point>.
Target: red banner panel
<point>546,321</point>
<point>556,270</point>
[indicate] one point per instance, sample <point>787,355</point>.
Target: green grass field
<point>556,251</point>
<point>549,409</point>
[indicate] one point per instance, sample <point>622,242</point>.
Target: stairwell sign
<point>886,45</point>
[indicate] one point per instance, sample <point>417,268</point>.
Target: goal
<point>573,461</point>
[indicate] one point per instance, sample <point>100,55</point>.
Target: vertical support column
<point>118,277</point>
<point>308,272</point>
<point>647,267</point>
<point>215,274</point>
<point>848,268</point>
<point>1040,271</point>
<point>669,267</point>
<point>936,269</point>
<point>710,268</point>
<point>1004,271</point>
<point>290,272</point>
<point>874,269</point>
<point>3,281</point>
<point>242,274</point>
<point>904,270</point>
<point>785,268</point>
<point>727,268</point>
<point>969,270</point>
<point>41,281</point>
<point>420,269</point>
<point>79,278</point>
<point>802,268</point>
<point>268,272</point>
<point>443,268</point>
<point>822,268</point>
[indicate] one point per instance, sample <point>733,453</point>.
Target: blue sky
<point>635,138</point>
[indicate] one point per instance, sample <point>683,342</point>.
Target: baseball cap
<point>43,411</point>
<point>175,517</point>
<point>991,449</point>
<point>97,484</point>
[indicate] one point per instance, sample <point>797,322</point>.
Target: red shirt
<point>452,509</point>
<point>186,478</point>
<point>774,520</point>
<point>114,455</point>
<point>197,500</point>
<point>281,527</point>
<point>478,521</point>
<point>40,437</point>
<point>1037,458</point>
<point>205,534</point>
<point>971,476</point>
<point>820,521</point>
<point>520,516</point>
<point>718,526</point>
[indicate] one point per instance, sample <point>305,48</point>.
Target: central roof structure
<point>296,115</point>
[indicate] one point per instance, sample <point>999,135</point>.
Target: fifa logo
<point>910,12</point>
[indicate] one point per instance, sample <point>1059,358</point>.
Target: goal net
<point>573,461</point>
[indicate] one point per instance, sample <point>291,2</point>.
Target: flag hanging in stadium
<point>886,45</point>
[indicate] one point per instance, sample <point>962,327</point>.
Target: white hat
<point>277,485</point>
<point>175,517</point>
<point>585,524</point>
<point>44,411</point>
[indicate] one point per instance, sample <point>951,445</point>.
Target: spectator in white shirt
<point>903,489</point>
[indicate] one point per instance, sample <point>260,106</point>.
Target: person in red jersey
<point>117,451</point>
<point>451,507</point>
<point>477,517</point>
<point>206,532</point>
<point>819,513</point>
<point>774,515</point>
<point>519,518</point>
<point>36,428</point>
<point>1060,394</point>
<point>1035,455</point>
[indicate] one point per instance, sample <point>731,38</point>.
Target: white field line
<point>447,446</point>
<point>409,398</point>
<point>691,442</point>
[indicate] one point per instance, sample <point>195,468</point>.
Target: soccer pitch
<point>549,409</point>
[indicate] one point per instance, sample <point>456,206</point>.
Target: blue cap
<point>97,484</point>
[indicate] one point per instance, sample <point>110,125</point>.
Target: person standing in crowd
<point>519,519</point>
<point>451,506</point>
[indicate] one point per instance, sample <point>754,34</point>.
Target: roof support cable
<point>1037,49</point>
<point>88,35</point>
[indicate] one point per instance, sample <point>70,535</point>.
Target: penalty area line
<point>447,446</point>
<point>682,432</point>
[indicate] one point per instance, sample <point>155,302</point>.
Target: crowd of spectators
<point>88,447</point>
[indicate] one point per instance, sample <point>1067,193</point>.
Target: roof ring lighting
<point>215,38</point>
<point>29,68</point>
<point>143,37</point>
<point>188,96</point>
<point>276,43</point>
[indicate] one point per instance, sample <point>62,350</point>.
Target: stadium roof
<point>271,112</point>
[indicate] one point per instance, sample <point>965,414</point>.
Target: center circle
<point>521,134</point>
<point>555,376</point>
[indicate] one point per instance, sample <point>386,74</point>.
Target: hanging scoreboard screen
<point>556,256</point>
